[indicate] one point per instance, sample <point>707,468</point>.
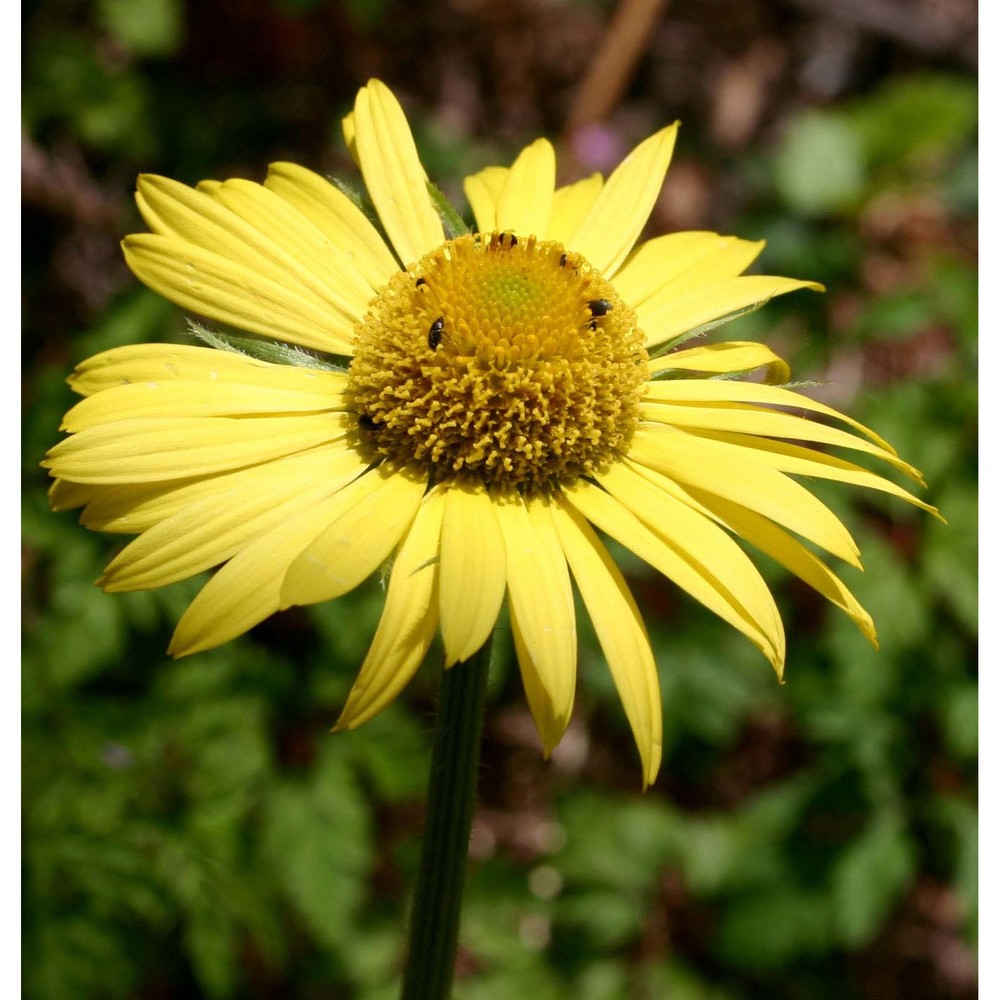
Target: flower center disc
<point>510,360</point>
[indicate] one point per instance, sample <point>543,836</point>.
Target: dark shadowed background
<point>192,829</point>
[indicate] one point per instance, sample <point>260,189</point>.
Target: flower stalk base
<point>451,797</point>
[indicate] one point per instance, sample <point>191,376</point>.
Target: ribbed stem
<point>451,798</point>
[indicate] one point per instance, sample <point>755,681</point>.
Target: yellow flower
<point>504,393</point>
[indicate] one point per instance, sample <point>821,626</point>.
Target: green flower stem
<point>451,799</point>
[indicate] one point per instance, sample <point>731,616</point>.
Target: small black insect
<point>435,333</point>
<point>368,423</point>
<point>598,308</point>
<point>511,239</point>
<point>421,282</point>
<point>562,260</point>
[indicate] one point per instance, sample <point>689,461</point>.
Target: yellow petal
<point>211,530</point>
<point>482,190</point>
<point>800,461</point>
<point>64,495</point>
<point>358,540</point>
<point>235,293</point>
<point>349,127</point>
<point>744,419</point>
<point>732,391</point>
<point>668,314</point>
<point>408,622</point>
<point>602,510</point>
<point>318,263</point>
<point>570,206</point>
<point>195,399</point>
<point>791,554</point>
<point>473,571</point>
<point>525,201</point>
<point>165,362</point>
<point>337,217</point>
<point>393,175</point>
<point>151,449</point>
<point>619,630</point>
<point>251,226</point>
<point>663,510</point>
<point>247,589</point>
<point>131,508</point>
<point>683,261</point>
<point>618,216</point>
<point>736,473</point>
<point>729,358</point>
<point>543,618</point>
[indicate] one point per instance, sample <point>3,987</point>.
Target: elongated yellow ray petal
<point>337,217</point>
<point>408,622</point>
<point>216,287</point>
<point>253,227</point>
<point>666,315</point>
<point>473,575</point>
<point>393,175</point>
<point>65,495</point>
<point>602,510</point>
<point>683,261</point>
<point>700,540</point>
<point>525,201</point>
<point>732,391</point>
<point>358,541</point>
<point>166,362</point>
<point>134,507</point>
<point>729,358</point>
<point>792,554</point>
<point>736,474</point>
<point>542,614</point>
<point>320,264</point>
<point>247,589</point>
<point>619,213</point>
<point>742,418</point>
<point>150,449</point>
<point>570,206</point>
<point>482,189</point>
<point>194,399</point>
<point>619,630</point>
<point>211,530</point>
<point>794,459</point>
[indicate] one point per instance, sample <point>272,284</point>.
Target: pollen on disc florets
<point>509,359</point>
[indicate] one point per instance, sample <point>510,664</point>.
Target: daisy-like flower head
<point>502,394</point>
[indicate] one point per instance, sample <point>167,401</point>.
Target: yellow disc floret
<point>511,360</point>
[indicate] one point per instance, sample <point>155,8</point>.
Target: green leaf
<point>147,27</point>
<point>959,710</point>
<point>921,119</point>
<point>869,878</point>
<point>618,846</point>
<point>769,930</point>
<point>211,942</point>
<point>819,167</point>
<point>602,918</point>
<point>316,840</point>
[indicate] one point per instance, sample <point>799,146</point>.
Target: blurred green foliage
<point>192,828</point>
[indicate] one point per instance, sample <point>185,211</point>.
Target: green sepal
<point>273,351</point>
<point>367,209</point>
<point>359,201</point>
<point>454,224</point>
<point>698,331</point>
